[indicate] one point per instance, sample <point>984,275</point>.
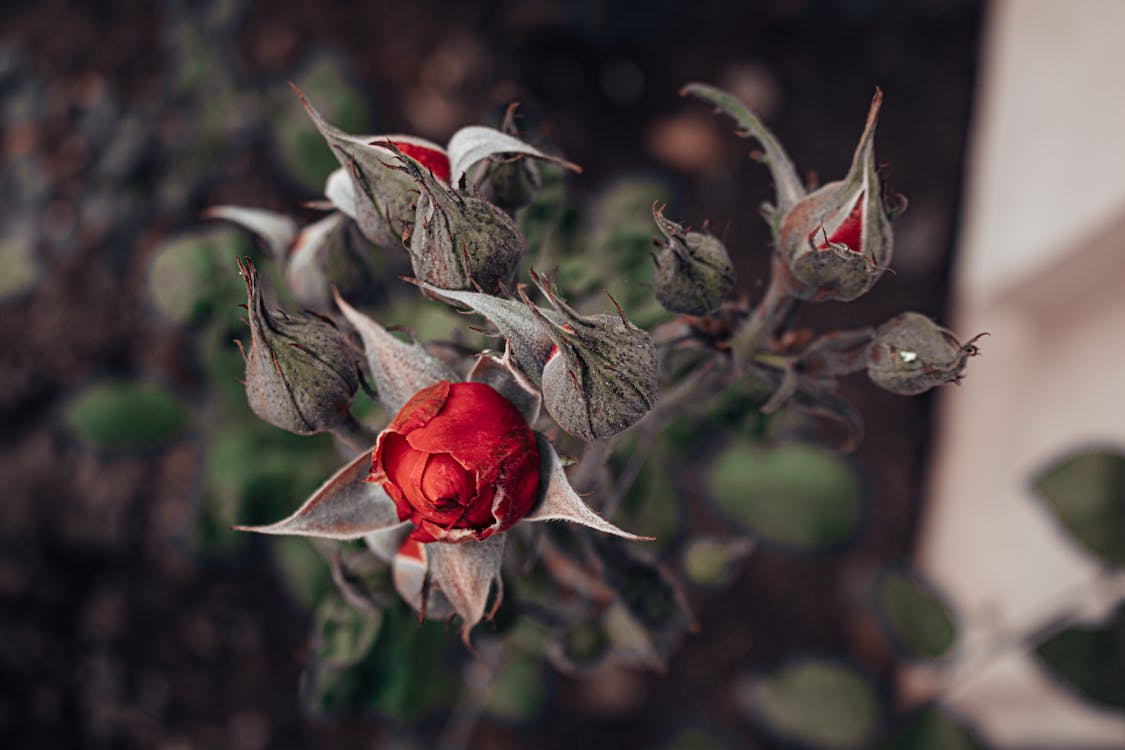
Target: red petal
<point>433,159</point>
<point>850,232</point>
<point>446,482</point>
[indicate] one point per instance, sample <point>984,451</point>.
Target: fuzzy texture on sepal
<point>301,373</point>
<point>399,369</point>
<point>347,506</point>
<point>911,354</point>
<point>837,240</point>
<point>601,376</point>
<point>693,271</point>
<point>332,253</point>
<point>459,241</point>
<point>377,195</point>
<point>276,230</point>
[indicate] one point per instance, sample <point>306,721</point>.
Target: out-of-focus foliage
<point>1090,659</point>
<point>126,414</point>
<point>915,616</point>
<point>1086,492</point>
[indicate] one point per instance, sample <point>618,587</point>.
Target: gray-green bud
<point>301,373</point>
<point>693,270</point>
<point>460,241</point>
<point>601,376</point>
<point>911,354</point>
<point>509,183</point>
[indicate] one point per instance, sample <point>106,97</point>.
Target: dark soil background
<point>112,633</point>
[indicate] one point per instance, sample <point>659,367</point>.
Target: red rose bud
<point>911,354</point>
<point>301,374</point>
<point>601,377</point>
<point>459,241</point>
<point>837,240</point>
<point>693,270</point>
<point>332,253</point>
<point>371,190</point>
<point>459,461</point>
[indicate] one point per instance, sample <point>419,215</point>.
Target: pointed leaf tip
<point>465,573</point>
<point>347,506</point>
<point>559,502</point>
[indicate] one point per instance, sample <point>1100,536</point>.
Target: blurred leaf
<point>698,738</point>
<point>816,703</point>
<point>932,730</point>
<point>652,505</point>
<point>714,562</point>
<point>791,494</point>
<point>304,154</point>
<point>19,266</point>
<point>342,634</point>
<point>518,693</point>
<point>303,570</point>
<point>126,414</point>
<point>915,616</point>
<point>1090,659</point>
<point>193,275</point>
<point>1087,494</point>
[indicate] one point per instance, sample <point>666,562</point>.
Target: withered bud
<point>332,253</point>
<point>693,270</point>
<point>301,373</point>
<point>601,376</point>
<point>459,241</point>
<point>837,240</point>
<point>911,354</point>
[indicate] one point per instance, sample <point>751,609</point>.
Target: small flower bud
<point>837,240</point>
<point>510,181</point>
<point>301,373</point>
<point>332,253</point>
<point>693,270</point>
<point>911,354</point>
<point>601,377</point>
<point>458,241</point>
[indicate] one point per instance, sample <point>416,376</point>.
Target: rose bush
<point>459,461</point>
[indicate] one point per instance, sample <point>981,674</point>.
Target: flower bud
<point>693,270</point>
<point>332,253</point>
<point>510,181</point>
<point>458,241</point>
<point>837,240</point>
<point>911,354</point>
<point>301,374</point>
<point>601,377</point>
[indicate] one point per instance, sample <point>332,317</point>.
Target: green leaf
<point>304,571</point>
<point>19,266</point>
<point>932,730</point>
<point>518,693</point>
<point>1090,659</point>
<point>194,275</point>
<point>343,635</point>
<point>792,494</point>
<point>1086,492</point>
<point>699,738</point>
<point>712,562</point>
<point>816,703</point>
<point>914,615</point>
<point>121,414</point>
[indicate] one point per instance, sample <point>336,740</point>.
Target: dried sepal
<point>475,143</point>
<point>276,230</point>
<point>399,369</point>
<point>558,500</point>
<point>347,506</point>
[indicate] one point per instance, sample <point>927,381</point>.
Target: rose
<point>459,461</point>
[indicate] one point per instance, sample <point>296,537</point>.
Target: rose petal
<point>464,573</point>
<point>505,377</point>
<point>400,370</point>
<point>559,501</point>
<point>345,507</point>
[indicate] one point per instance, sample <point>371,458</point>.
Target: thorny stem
<point>775,306</point>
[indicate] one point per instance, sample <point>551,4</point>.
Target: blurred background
<point>967,595</point>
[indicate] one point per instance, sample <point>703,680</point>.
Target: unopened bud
<point>510,181</point>
<point>332,253</point>
<point>911,354</point>
<point>693,270</point>
<point>301,373</point>
<point>837,240</point>
<point>459,241</point>
<point>601,377</point>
